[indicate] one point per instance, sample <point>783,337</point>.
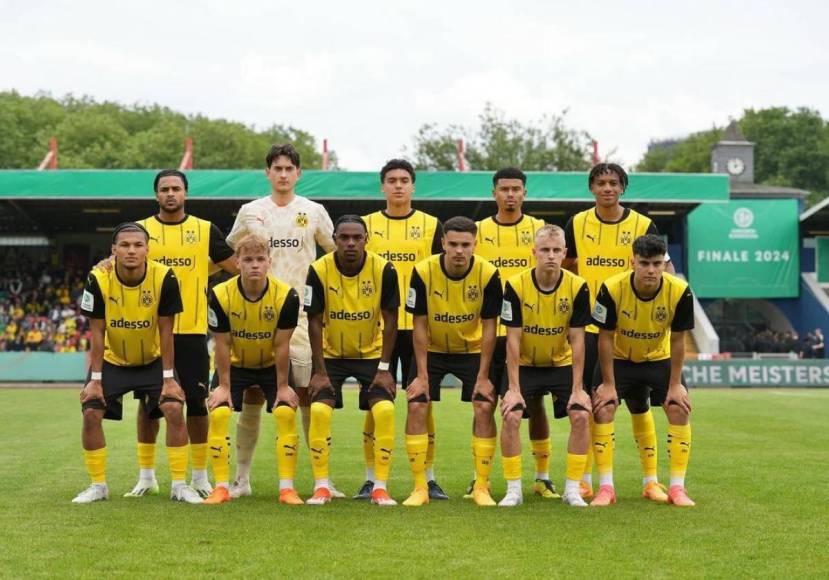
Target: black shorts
<point>638,381</point>
<point>192,364</point>
<point>464,366</point>
<point>538,381</point>
<point>591,361</point>
<point>242,379</point>
<point>499,361</point>
<point>339,369</point>
<point>143,381</point>
<point>403,353</point>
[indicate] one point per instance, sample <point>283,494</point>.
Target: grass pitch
<point>758,474</point>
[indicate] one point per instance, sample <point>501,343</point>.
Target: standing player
<point>455,298</point>
<point>294,226</point>
<point>545,309</point>
<point>598,246</point>
<point>643,316</point>
<point>349,294</point>
<point>404,236</point>
<point>506,240</point>
<point>253,316</point>
<point>131,309</point>
<point>186,244</point>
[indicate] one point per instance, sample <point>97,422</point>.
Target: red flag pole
<point>461,158</point>
<point>325,154</point>
<point>595,152</point>
<point>50,161</point>
<point>187,158</point>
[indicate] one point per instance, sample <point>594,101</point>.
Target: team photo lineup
<point>588,311</point>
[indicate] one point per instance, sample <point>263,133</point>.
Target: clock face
<point>735,166</point>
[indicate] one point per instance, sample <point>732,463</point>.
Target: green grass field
<point>758,474</point>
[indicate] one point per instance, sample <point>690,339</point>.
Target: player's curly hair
<point>604,169</point>
<point>649,245</point>
<point>253,244</point>
<point>393,164</point>
<point>284,150</point>
<point>350,218</point>
<point>170,173</point>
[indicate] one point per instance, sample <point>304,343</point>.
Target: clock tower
<point>734,155</point>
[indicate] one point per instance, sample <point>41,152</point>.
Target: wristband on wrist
<point>168,374</point>
<point>96,376</point>
<point>383,366</point>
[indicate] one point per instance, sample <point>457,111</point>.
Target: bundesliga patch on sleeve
<point>411,298</point>
<point>600,313</point>
<point>506,310</point>
<point>309,295</point>
<point>212,319</point>
<point>87,301</point>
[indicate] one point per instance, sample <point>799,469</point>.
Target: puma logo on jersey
<point>260,219</point>
<point>626,313</point>
<point>591,238</point>
<point>379,234</point>
<point>334,290</point>
<point>112,298</point>
<point>530,306</point>
<point>236,314</point>
<point>490,240</point>
<point>436,293</point>
<point>152,239</point>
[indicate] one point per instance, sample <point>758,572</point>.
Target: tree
<point>545,145</point>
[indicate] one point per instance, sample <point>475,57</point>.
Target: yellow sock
<point>368,440</point>
<point>177,458</point>
<point>416,446</point>
<point>483,450</point>
<point>588,465</point>
<point>679,451</point>
<point>430,430</point>
<point>604,438</point>
<point>218,440</point>
<point>512,467</point>
<point>541,453</point>
<point>383,412</point>
<point>198,455</point>
<point>146,455</point>
<point>319,436</point>
<point>96,464</point>
<point>287,439</point>
<point>575,466</point>
<point>644,432</point>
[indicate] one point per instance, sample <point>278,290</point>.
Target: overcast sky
<point>368,74</point>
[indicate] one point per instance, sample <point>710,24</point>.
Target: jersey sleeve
<point>437,240</point>
<point>92,301</point>
<point>684,313</point>
<point>216,316</point>
<point>239,227</point>
<point>511,308</point>
<point>314,302</point>
<point>169,303</point>
<point>652,229</point>
<point>570,239</point>
<point>324,235</point>
<point>289,315</point>
<point>219,250</point>
<point>416,296</point>
<point>604,311</point>
<point>390,294</point>
<point>493,296</point>
<point>581,308</point>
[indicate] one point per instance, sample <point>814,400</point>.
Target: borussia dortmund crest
<point>661,314</point>
<point>146,298</point>
<point>564,306</point>
<point>415,233</point>
<point>190,237</point>
<point>472,293</point>
<point>625,239</point>
<point>367,288</point>
<point>268,313</point>
<point>301,219</point>
<point>526,238</point>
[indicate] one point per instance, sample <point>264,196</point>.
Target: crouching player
<point>348,294</point>
<point>253,316</point>
<point>544,308</point>
<point>131,310</point>
<point>642,317</point>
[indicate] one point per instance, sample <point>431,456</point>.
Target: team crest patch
<point>472,293</point>
<point>415,233</point>
<point>146,298</point>
<point>661,314</point>
<point>564,306</point>
<point>268,313</point>
<point>526,238</point>
<point>625,239</point>
<point>190,237</point>
<point>367,288</point>
<point>301,219</point>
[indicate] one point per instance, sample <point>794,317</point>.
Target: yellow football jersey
<point>351,305</point>
<point>403,241</point>
<point>252,322</point>
<point>454,307</point>
<point>131,312</point>
<point>643,325</point>
<point>545,317</point>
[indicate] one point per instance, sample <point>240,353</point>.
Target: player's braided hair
<point>605,168</point>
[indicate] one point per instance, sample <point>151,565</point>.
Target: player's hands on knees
<point>417,388</point>
<point>319,382</point>
<point>93,390</point>
<point>218,397</point>
<point>285,394</point>
<point>605,394</point>
<point>385,381</point>
<point>511,400</point>
<point>170,389</point>
<point>678,395</point>
<point>580,397</point>
<point>106,264</point>
<point>484,388</point>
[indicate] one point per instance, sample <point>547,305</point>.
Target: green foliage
<point>543,145</point>
<point>108,135</point>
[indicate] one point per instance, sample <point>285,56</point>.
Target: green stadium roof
<point>341,185</point>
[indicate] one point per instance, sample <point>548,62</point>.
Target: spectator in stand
<point>818,348</point>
